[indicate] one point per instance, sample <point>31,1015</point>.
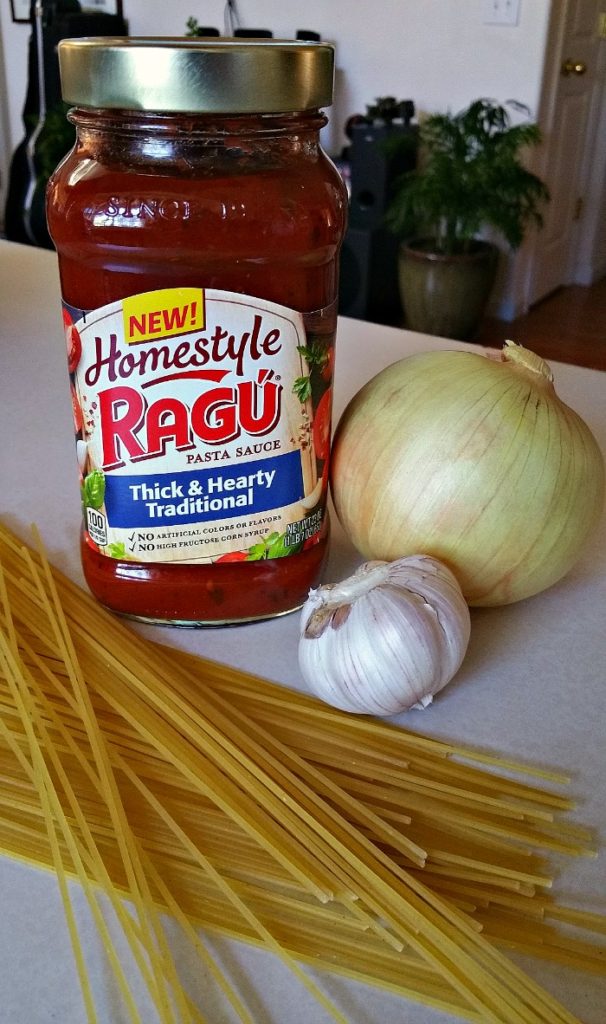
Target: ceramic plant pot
<point>446,295</point>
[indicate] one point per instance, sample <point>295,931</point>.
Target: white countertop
<point>533,684</point>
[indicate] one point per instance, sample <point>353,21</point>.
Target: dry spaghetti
<point>236,805</point>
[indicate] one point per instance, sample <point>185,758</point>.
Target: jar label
<point>202,423</point>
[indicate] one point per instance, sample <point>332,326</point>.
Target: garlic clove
<point>311,500</point>
<point>386,639</point>
<point>82,455</point>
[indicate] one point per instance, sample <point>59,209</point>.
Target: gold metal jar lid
<point>196,75</point>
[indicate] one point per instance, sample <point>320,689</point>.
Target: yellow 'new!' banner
<point>163,313</point>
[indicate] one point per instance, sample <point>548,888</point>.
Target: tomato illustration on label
<point>274,545</point>
<point>329,364</point>
<point>233,556</point>
<point>73,342</point>
<point>321,428</point>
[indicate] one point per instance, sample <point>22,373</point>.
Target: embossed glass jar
<point>198,224</point>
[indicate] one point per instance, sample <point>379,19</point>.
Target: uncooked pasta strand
<point>44,787</point>
<point>137,881</point>
<point>73,670</point>
<point>99,871</point>
<point>309,724</point>
<point>232,895</point>
<point>205,957</point>
<point>206,779</point>
<point>260,691</point>
<point>96,867</point>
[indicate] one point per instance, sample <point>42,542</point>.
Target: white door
<point>569,116</point>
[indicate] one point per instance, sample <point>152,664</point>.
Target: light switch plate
<point>501,12</point>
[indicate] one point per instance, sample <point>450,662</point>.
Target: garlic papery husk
<point>386,639</point>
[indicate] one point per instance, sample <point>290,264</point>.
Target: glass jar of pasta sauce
<point>198,223</point>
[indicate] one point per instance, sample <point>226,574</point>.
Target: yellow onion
<point>474,461</point>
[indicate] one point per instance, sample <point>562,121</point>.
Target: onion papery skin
<point>474,461</point>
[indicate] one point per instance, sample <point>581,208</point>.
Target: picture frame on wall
<point>20,11</point>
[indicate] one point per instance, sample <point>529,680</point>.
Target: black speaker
<point>379,154</point>
<point>368,288</point>
<point>383,146</point>
<point>253,33</point>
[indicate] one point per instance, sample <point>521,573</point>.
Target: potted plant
<point>470,176</point>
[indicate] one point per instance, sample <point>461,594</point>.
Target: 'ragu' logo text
<point>215,348</point>
<point>133,428</point>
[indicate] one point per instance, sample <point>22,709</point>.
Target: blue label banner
<point>202,496</point>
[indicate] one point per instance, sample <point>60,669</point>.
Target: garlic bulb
<point>386,639</point>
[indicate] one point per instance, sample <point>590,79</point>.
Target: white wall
<point>435,52</point>
<point>438,53</point>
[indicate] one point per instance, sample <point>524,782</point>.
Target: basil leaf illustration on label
<point>273,546</point>
<point>118,551</point>
<point>93,489</point>
<point>278,548</point>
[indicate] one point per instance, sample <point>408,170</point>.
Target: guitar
<point>48,133</point>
